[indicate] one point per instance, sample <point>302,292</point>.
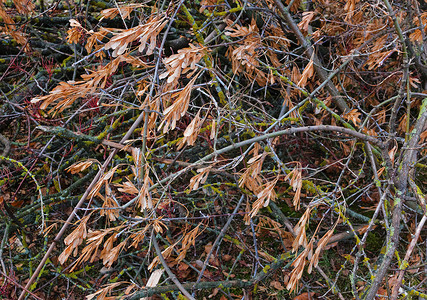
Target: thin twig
<point>17,284</point>
<point>167,269</point>
<point>320,70</point>
<point>218,239</point>
<point>80,203</point>
<point>404,263</point>
<point>3,243</point>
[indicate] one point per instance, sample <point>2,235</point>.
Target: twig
<point>82,200</point>
<point>167,269</point>
<point>78,205</point>
<point>17,284</point>
<point>6,144</point>
<point>404,263</point>
<point>409,157</point>
<point>330,283</point>
<point>260,138</point>
<point>263,274</point>
<point>218,239</point>
<point>312,55</point>
<point>3,242</point>
<point>371,222</point>
<point>255,248</point>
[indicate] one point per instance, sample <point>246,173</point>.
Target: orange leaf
<point>305,296</point>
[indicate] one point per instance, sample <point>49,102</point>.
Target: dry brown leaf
<point>307,17</point>
<point>266,195</point>
<point>10,28</point>
<point>165,253</point>
<point>354,116</point>
<point>277,285</point>
<point>74,239</point>
<point>182,63</point>
<point>295,177</point>
<point>111,255</point>
<point>106,290</point>
<point>80,166</point>
<point>127,187</point>
<point>179,107</point>
<point>245,57</point>
<point>251,178</point>
<point>305,296</point>
<point>188,240</point>
<point>123,11</point>
<point>213,130</point>
<point>74,34</point>
<point>110,206</point>
<point>106,178</point>
<point>350,7</point>
<point>306,74</point>
<point>144,32</point>
<point>95,38</point>
<point>320,246</point>
<point>191,132</point>
<point>66,93</point>
<point>144,196</point>
<point>200,178</point>
<point>299,229</point>
<point>24,6</point>
<point>296,274</point>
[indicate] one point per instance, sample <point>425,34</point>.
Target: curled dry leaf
<point>95,238</point>
<point>139,236</point>
<point>68,92</point>
<point>299,229</point>
<point>191,132</point>
<point>123,11</point>
<point>74,239</point>
<point>75,32</point>
<point>251,178</point>
<point>179,107</point>
<point>354,116</point>
<point>200,178</point>
<point>94,40</point>
<point>110,206</point>
<point>213,130</point>
<point>165,253</point>
<point>307,74</point>
<point>10,28</point>
<point>307,17</point>
<point>245,58</point>
<point>110,256</point>
<point>182,63</point>
<point>188,240</point>
<point>417,35</point>
<point>106,178</point>
<point>266,195</point>
<point>320,246</point>
<point>295,177</point>
<point>144,197</point>
<point>296,274</point>
<point>127,187</point>
<point>79,166</point>
<point>144,32</point>
<point>24,6</point>
<point>106,290</point>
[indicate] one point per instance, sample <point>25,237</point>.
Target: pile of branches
<point>220,149</point>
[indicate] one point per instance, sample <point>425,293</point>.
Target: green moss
<point>374,242</point>
<point>99,4</point>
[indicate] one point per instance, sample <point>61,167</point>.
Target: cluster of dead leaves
<point>66,93</point>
